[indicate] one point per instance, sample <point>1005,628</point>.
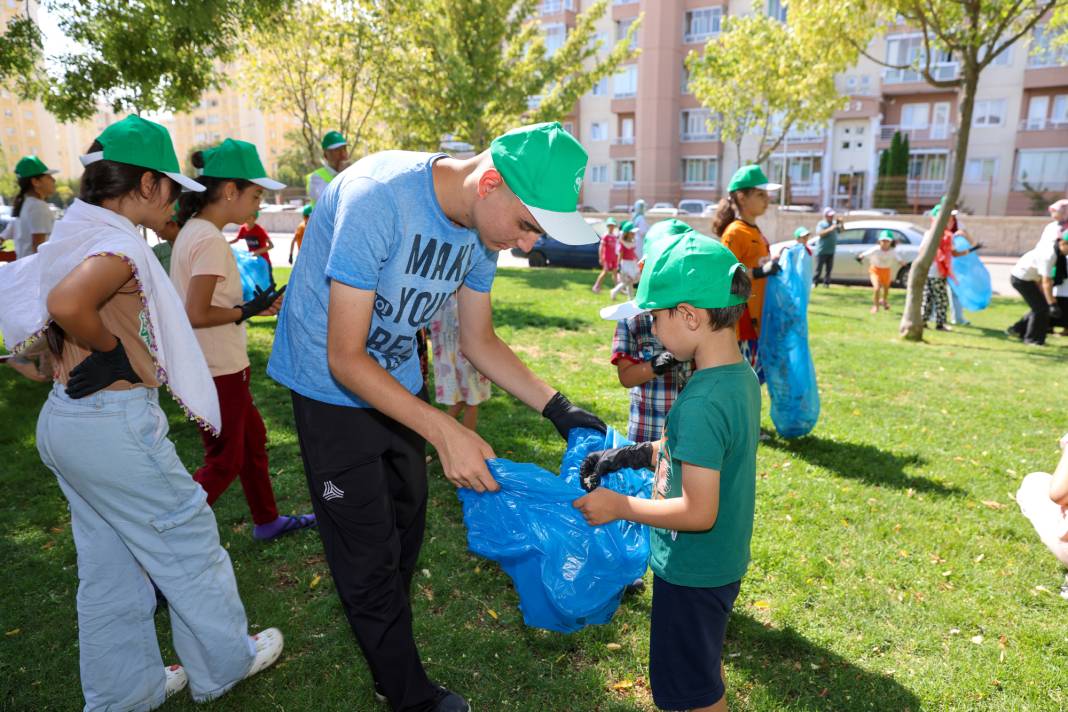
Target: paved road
<point>999,267</point>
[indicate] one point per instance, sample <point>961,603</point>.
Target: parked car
<point>875,212</point>
<point>663,209</point>
<point>860,235</point>
<point>547,251</point>
<point>693,206</point>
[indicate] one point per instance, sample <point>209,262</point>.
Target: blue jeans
<point>136,513</point>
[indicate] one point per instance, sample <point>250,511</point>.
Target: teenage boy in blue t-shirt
<point>390,239</point>
<point>701,513</point>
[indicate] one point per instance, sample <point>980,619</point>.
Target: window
<point>28,115</point>
<point>599,174</point>
<point>908,50</point>
<point>845,145</point>
<point>624,172</point>
<point>1003,59</point>
<point>622,27</point>
<point>851,237</point>
<point>702,24</point>
<point>989,112</point>
<point>803,170</point>
<point>598,131</point>
<point>600,88</point>
<point>551,7</point>
<point>980,170</point>
<point>626,130</point>
<point>927,166</point>
<point>626,82</point>
<point>555,34</point>
<point>1037,109</point>
<point>1060,110</point>
<point>777,10</point>
<point>914,116</point>
<point>1042,170</point>
<point>700,171</point>
<point>1042,54</point>
<point>685,88</point>
<point>694,125</point>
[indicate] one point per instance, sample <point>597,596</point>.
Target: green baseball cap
<point>682,267</point>
<point>626,227</point>
<point>1065,236</point>
<point>143,143</point>
<point>751,177</point>
<point>610,221</point>
<point>307,210</point>
<point>671,226</point>
<point>32,166</point>
<point>544,166</point>
<point>886,235</point>
<point>802,232</point>
<point>333,139</point>
<point>237,159</point>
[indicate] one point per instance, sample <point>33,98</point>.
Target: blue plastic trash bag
<point>254,271</point>
<point>568,574</point>
<point>783,347</point>
<point>971,281</point>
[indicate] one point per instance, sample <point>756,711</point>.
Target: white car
<point>693,206</point>
<point>860,235</point>
<point>663,209</point>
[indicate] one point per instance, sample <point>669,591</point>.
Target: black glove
<point>664,363</point>
<point>565,416</point>
<point>975,247</point>
<point>598,464</point>
<point>99,370</point>
<point>261,301</point>
<point>1055,311</point>
<point>768,269</point>
<point>859,258</point>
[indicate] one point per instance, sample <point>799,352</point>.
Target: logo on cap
<point>578,179</point>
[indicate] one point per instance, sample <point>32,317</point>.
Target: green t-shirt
<point>163,253</point>
<point>714,423</point>
<point>828,242</point>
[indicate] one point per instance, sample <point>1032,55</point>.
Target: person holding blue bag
<point>704,493</point>
<point>204,272</point>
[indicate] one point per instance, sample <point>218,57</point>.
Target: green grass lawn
<point>891,567</point>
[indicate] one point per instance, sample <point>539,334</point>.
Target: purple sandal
<point>282,525</point>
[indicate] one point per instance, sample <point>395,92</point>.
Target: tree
<point>763,77</point>
<point>326,65</point>
<point>891,188</point>
<point>475,69</point>
<point>150,55</point>
<point>973,33</point>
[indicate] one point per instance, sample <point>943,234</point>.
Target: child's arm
<point>696,510</point>
<point>1058,487</point>
<point>866,253</point>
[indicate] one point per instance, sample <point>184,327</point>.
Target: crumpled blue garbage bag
<point>971,280</point>
<point>568,574</point>
<point>254,271</point>
<point>783,346</point>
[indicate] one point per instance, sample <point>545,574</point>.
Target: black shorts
<point>686,643</point>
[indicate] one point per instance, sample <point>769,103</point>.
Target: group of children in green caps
<point>119,327</point>
<point>618,256</point>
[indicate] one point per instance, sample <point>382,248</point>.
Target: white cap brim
<point>185,181</point>
<point>568,228</point>
<point>619,312</point>
<point>770,186</point>
<point>336,145</point>
<point>267,183</point>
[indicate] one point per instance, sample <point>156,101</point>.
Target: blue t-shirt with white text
<point>378,226</point>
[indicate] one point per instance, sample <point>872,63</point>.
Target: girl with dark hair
<point>735,223</point>
<point>204,272</point>
<point>34,219</point>
<point>118,331</point>
<point>935,290</point>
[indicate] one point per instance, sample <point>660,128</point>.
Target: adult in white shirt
<point>1058,213</point>
<point>33,218</point>
<point>641,226</point>
<point>1032,277</point>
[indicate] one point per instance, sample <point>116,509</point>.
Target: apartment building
<point>648,137</point>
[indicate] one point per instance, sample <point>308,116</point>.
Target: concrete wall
<point>1007,236</point>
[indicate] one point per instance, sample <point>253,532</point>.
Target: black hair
<point>728,211</point>
<point>25,186</point>
<point>191,202</point>
<point>727,317</point>
<point>107,180</point>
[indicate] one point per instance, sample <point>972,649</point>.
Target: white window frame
<point>619,176</point>
<point>777,10</point>
<point>915,107</point>
<point>554,7</point>
<point>987,109</point>
<point>975,168</point>
<point>622,27</point>
<point>625,83</point>
<point>552,30</point>
<point>598,131</point>
<point>693,125</point>
<point>599,173</point>
<point>712,16</point>
<point>711,164</point>
<point>1039,53</point>
<point>1053,184</point>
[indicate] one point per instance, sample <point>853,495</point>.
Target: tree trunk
<point>912,320</point>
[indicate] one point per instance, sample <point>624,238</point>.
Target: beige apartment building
<point>648,137</point>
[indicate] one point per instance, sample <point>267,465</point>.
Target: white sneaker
<point>268,647</point>
<point>176,680</point>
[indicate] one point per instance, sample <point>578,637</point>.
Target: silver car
<point>861,235</point>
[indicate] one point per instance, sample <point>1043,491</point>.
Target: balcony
<point>1043,124</point>
<point>805,190</point>
<point>622,184</point>
<point>623,141</point>
<point>807,136</point>
<point>936,132</point>
<point>688,137</point>
<point>554,7</point>
<point>926,188</point>
<point>942,71</point>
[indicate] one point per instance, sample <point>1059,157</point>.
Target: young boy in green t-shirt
<point>701,514</point>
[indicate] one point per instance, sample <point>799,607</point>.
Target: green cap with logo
<point>626,227</point>
<point>801,232</point>
<point>886,235</point>
<point>237,159</point>
<point>142,143</point>
<point>671,226</point>
<point>544,166</point>
<point>31,167</point>
<point>333,139</point>
<point>306,211</point>
<point>751,176</point>
<point>683,267</point>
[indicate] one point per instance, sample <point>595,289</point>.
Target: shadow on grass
<point>862,462</point>
<point>550,277</point>
<point>800,675</point>
<point>520,318</point>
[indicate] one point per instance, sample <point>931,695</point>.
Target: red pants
<point>239,451</point>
